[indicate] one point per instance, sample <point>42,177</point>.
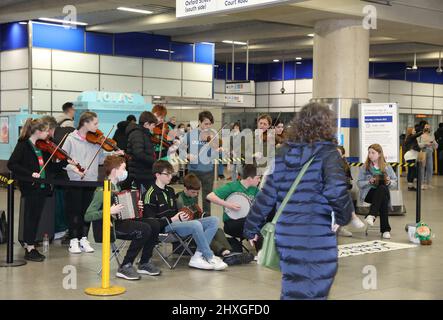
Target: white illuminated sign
<point>189,8</point>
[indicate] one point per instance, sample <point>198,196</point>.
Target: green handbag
<point>268,256</point>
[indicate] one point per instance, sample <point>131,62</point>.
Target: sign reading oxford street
<point>190,8</point>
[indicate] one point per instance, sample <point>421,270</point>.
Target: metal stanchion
<point>10,246</point>
<point>106,289</point>
<point>417,199</point>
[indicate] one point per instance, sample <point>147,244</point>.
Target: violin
<point>59,153</point>
<point>99,138</point>
<point>160,135</point>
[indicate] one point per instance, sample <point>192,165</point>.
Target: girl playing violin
<point>77,199</point>
<point>161,137</point>
<point>28,161</point>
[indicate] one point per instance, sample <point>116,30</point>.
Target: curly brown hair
<point>315,122</point>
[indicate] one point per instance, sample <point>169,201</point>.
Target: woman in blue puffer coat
<point>306,244</point>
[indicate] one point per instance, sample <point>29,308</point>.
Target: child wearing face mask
<point>144,231</point>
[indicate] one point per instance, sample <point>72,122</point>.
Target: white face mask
<point>122,176</point>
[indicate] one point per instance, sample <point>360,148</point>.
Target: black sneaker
<point>34,255</point>
<point>237,258</point>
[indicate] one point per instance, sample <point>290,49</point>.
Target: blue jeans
<point>427,172</point>
<point>202,230</point>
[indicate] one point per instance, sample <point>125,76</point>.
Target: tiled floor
<point>403,274</point>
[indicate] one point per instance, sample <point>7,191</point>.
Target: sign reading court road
<point>190,8</point>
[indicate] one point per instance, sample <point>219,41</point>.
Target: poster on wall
<point>4,130</point>
<point>378,123</point>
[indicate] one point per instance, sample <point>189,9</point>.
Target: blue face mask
<point>122,176</point>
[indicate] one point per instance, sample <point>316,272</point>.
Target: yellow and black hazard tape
<point>392,164</point>
<point>223,161</point>
<point>6,180</point>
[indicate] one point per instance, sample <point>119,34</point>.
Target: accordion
<point>129,199</point>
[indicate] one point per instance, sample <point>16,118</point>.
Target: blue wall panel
<point>137,44</point>
<point>412,75</point>
<point>13,36</point>
<point>57,37</point>
<point>182,51</point>
<point>289,70</point>
<point>99,43</point>
<point>389,70</point>
<point>429,75</point>
<point>205,53</point>
<point>303,70</point>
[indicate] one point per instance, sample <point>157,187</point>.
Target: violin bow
<point>215,136</point>
<point>161,140</point>
<point>278,117</point>
<point>53,152</point>
<point>101,145</point>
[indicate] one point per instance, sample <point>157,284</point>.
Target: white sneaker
<point>424,187</point>
<point>386,235</point>
<point>199,262</point>
<point>357,223</point>
<point>217,263</point>
<point>85,245</point>
<point>370,220</point>
<point>344,232</point>
<point>74,246</point>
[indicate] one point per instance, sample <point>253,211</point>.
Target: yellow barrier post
<point>106,289</point>
<point>401,160</point>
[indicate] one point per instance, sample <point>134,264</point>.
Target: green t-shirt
<point>231,187</point>
<point>375,172</point>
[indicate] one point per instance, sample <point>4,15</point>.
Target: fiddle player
<point>201,155</point>
<point>28,161</point>
<point>77,199</point>
<point>140,149</point>
<point>161,132</point>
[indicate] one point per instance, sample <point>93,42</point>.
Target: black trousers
<point>234,228</point>
<point>34,203</point>
<point>144,235</point>
<point>379,200</point>
<point>412,172</point>
<point>77,201</point>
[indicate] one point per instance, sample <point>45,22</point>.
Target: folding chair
<point>115,250</point>
<point>171,237</point>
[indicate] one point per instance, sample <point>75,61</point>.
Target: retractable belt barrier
<point>392,164</point>
<point>10,208</point>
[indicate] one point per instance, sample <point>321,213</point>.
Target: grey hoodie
<point>68,123</point>
<point>83,152</point>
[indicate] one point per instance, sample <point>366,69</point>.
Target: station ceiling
<point>404,27</point>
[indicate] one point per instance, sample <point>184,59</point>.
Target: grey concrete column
<point>340,74</point>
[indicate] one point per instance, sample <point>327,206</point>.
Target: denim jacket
<point>365,175</point>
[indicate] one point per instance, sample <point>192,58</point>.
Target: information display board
<point>378,123</point>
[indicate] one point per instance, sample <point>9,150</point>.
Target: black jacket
<point>23,163</point>
<point>141,151</point>
<point>411,142</point>
<point>439,138</point>
<point>120,135</point>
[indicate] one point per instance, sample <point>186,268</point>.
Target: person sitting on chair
<point>221,247</point>
<point>375,179</point>
<point>248,186</point>
<point>144,232</point>
<point>160,202</point>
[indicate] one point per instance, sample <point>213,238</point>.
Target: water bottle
<point>45,242</point>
